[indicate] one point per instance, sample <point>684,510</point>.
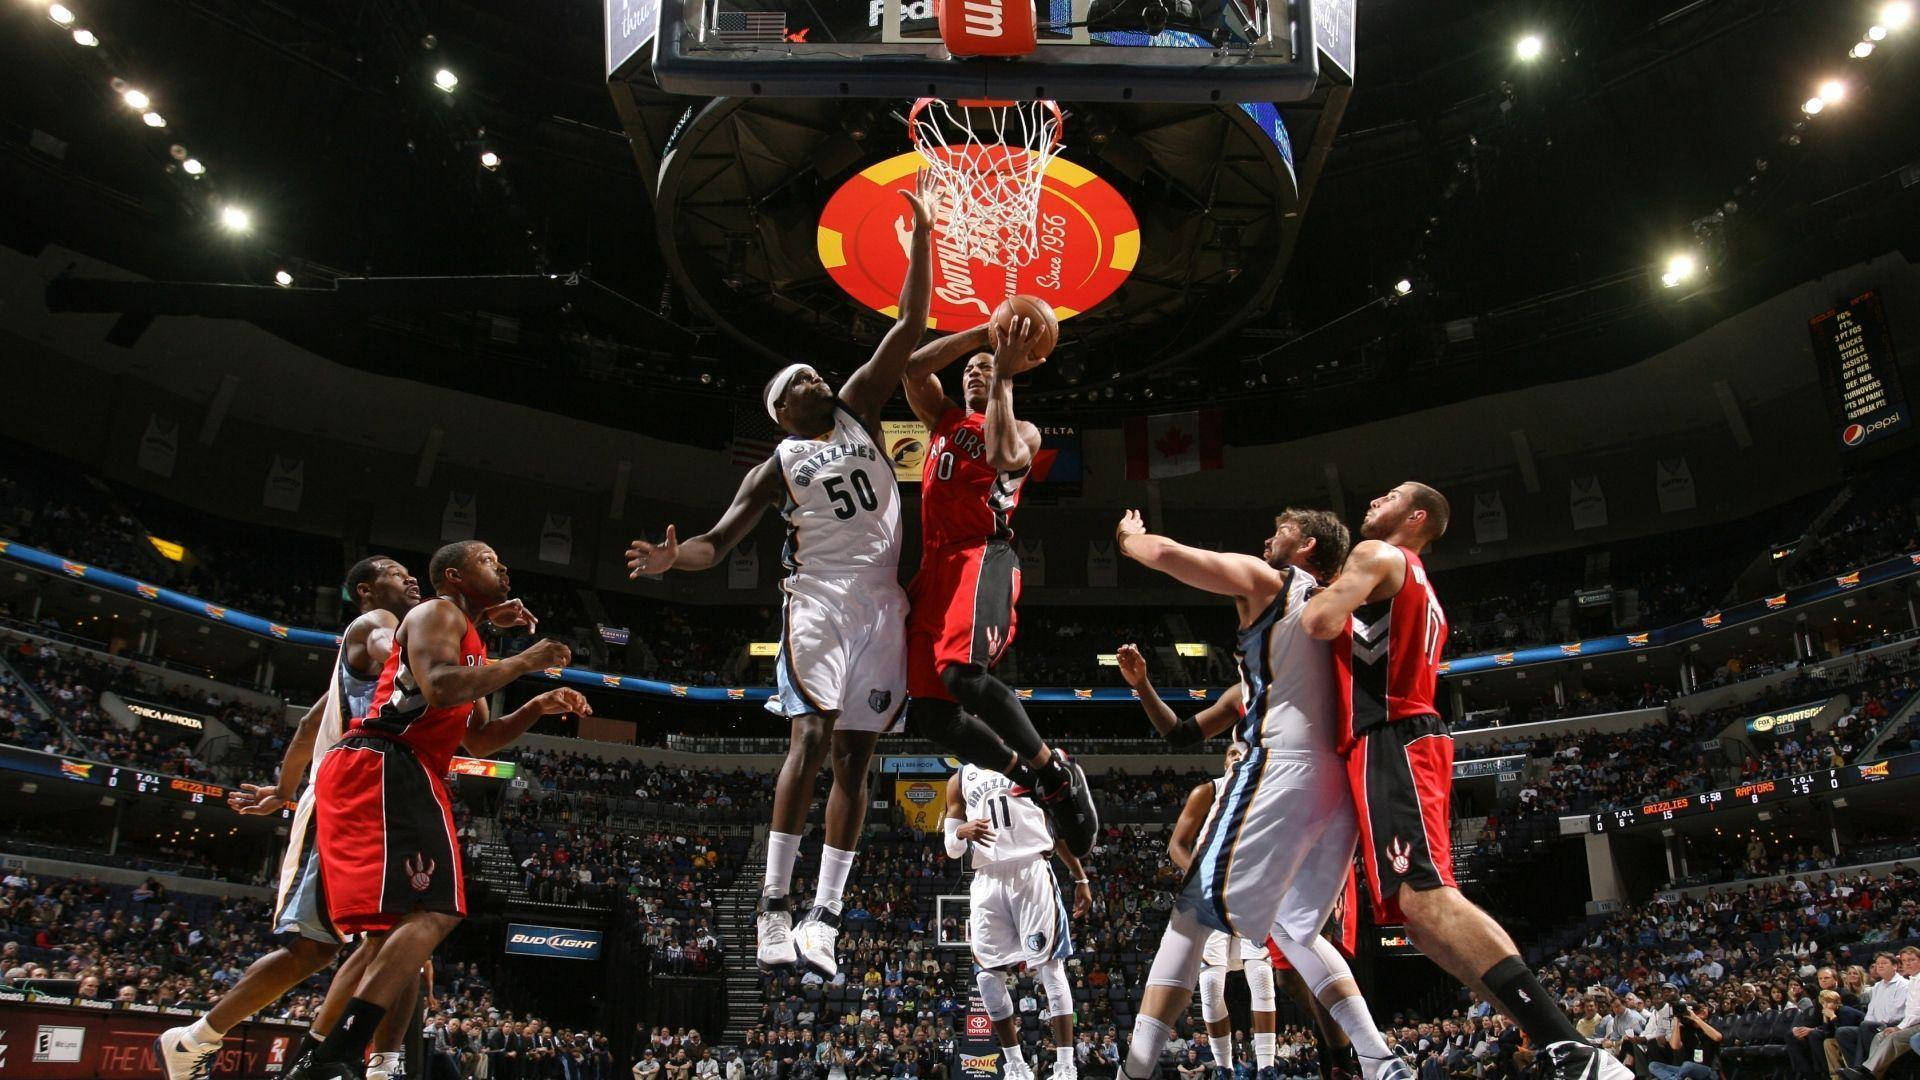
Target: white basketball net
<point>985,162</point>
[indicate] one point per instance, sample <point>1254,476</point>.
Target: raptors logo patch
<point>420,872</point>
<point>1400,854</point>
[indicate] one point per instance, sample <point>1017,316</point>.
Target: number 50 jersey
<point>843,506</point>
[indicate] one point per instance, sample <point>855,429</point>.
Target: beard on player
<point>976,381</point>
<point>394,589</point>
<point>806,408</point>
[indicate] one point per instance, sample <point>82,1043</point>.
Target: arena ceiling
<point>1528,203</point>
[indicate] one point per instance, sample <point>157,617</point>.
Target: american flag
<point>754,437</point>
<point>751,26</point>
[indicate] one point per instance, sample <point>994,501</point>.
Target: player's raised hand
<point>564,700</point>
<point>924,200</point>
<point>1013,347</point>
<point>1133,666</point>
<point>510,614</point>
<point>648,558</point>
<point>977,831</point>
<point>1131,525</point>
<point>547,653</point>
<point>255,799</point>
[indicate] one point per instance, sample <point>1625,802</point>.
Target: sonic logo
<point>610,680</point>
<point>1570,650</point>
<point>1710,621</point>
<point>1445,666</point>
<point>986,1063</point>
<point>277,630</point>
<point>215,611</point>
<point>1775,603</point>
<point>552,672</point>
<point>1025,693</point>
<point>735,694</point>
<point>73,569</point>
<point>1194,693</point>
<point>1879,770</point>
<point>1083,695</point>
<point>1504,659</point>
<point>1636,639</point>
<point>677,690</point>
<point>1848,581</point>
<point>147,592</point>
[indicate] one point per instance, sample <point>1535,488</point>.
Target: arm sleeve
<point>956,847</point>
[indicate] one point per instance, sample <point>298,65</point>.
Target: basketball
<point>1030,307</point>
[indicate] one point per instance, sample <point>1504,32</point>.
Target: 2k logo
<point>420,872</point>
<point>1400,853</point>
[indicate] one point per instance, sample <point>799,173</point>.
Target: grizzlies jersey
<point>1020,829</point>
<point>843,506</point>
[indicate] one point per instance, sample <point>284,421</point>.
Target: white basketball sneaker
<point>183,1059</point>
<point>775,932</point>
<point>815,939</point>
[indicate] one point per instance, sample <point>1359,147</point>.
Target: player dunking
<point>964,594</point>
<point>384,592</point>
<point>1015,916</point>
<point>842,663</point>
<point>1388,628</point>
<point>389,860</point>
<point>1274,854</point>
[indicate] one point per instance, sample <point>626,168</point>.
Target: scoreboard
<point>1757,793</point>
<point>1859,372</point>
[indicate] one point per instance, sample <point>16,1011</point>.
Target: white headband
<point>778,387</point>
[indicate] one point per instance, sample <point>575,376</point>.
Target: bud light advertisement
<point>558,942</point>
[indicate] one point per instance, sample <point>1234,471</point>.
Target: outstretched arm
<point>868,389</point>
<point>922,380</point>
<point>1226,573</point>
<point>1208,722</point>
<point>266,798</point>
<point>485,735</point>
<point>1375,570</point>
<point>761,489</point>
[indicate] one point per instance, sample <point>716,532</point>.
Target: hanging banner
<point>286,482</point>
<point>159,446</point>
<point>1033,561</point>
<point>1588,503</point>
<point>457,520</point>
<point>1103,565</point>
<point>905,442</point>
<point>1673,480</point>
<point>1489,517</point>
<point>922,803</point>
<point>743,567</point>
<point>556,539</point>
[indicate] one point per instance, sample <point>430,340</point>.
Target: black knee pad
<point>932,719</point>
<point>962,679</point>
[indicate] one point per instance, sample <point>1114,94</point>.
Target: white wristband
<point>956,847</point>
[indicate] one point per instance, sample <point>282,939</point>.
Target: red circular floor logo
<point>1089,240</point>
<point>1853,434</point>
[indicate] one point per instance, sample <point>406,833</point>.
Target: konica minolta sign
<point>556,941</point>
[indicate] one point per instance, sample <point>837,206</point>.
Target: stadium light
<point>236,219</point>
<point>1862,50</point>
<point>282,278</point>
<point>1402,287</point>
<point>136,99</point>
<point>446,80</point>
<point>1876,32</point>
<point>192,167</point>
<point>1529,47</point>
<point>61,14</point>
<point>85,37</point>
<point>1813,106</point>
<point>1680,268</point>
<point>1896,15</point>
<point>153,119</point>
<point>490,160</point>
<point>1833,91</point>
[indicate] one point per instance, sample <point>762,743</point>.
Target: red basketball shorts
<point>1402,777</point>
<point>386,837</point>
<point>963,613</point>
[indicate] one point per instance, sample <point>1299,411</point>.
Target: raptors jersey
<point>1020,829</point>
<point>1286,677</point>
<point>349,695</point>
<point>964,501</point>
<point>398,711</point>
<point>843,506</point>
<point>1390,655</point>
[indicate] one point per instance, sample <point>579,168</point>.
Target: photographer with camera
<point>1694,1042</point>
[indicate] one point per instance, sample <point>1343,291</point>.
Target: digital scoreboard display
<point>1759,792</point>
<point>1859,372</point>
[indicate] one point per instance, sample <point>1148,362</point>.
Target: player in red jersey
<point>1388,629</point>
<point>963,596</point>
<point>389,860</point>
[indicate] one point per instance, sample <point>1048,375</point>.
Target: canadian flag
<point>1173,444</point>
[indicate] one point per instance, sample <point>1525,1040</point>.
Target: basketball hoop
<point>985,161</point>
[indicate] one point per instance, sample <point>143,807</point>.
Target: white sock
<point>834,865</point>
<point>1013,1056</point>
<point>202,1033</point>
<point>781,850</point>
<point>1143,1051</point>
<point>1222,1051</point>
<point>1353,1018</point>
<point>388,1063</point>
<point>1063,1058</point>
<point>1263,1044</point>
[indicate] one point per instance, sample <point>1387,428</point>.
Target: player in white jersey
<point>842,662</point>
<point>1273,854</point>
<point>384,592</point>
<point>1015,914</point>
